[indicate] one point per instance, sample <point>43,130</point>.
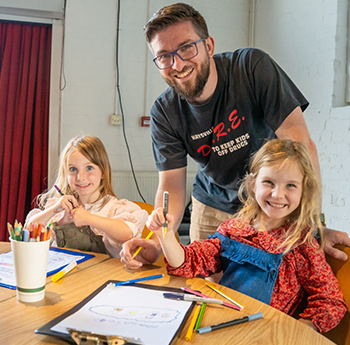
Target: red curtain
<point>25,55</point>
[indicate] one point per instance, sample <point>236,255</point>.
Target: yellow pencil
<point>192,324</point>
<point>224,295</point>
<point>139,248</point>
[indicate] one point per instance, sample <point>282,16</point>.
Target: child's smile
<point>276,205</point>
<point>84,177</point>
<point>278,191</point>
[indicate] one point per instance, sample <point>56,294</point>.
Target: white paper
<point>130,312</point>
<point>55,261</point>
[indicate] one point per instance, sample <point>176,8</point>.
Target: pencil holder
<point>30,259</point>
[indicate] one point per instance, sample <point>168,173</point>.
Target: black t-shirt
<point>252,98</point>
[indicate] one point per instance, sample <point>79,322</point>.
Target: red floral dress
<point>303,270</point>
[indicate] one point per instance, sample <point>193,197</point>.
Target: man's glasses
<point>185,52</point>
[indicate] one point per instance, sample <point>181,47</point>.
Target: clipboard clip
<point>91,338</point>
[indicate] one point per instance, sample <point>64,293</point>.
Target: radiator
<point>125,188</point>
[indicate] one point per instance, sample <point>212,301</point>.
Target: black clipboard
<point>47,328</point>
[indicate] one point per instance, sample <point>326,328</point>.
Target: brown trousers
<point>205,220</point>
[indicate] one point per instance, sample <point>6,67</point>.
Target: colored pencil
<point>200,316</point>
<point>18,236</point>
<point>10,230</point>
<point>41,234</point>
<point>132,281</point>
<point>192,324</point>
<point>139,248</point>
<point>59,191</point>
<point>49,232</point>
<point>37,230</point>
<point>202,295</point>
<point>224,295</point>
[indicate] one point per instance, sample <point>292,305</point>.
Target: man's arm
<point>173,181</point>
<point>294,128</point>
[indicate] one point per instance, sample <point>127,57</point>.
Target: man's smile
<point>183,74</point>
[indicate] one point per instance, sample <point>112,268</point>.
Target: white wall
<point>33,8</point>
<point>89,63</point>
<point>308,39</point>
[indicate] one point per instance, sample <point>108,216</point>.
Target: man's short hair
<point>173,14</point>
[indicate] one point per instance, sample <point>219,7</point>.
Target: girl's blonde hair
<point>303,223</point>
<point>92,149</point>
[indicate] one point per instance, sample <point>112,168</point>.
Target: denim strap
<point>247,269</point>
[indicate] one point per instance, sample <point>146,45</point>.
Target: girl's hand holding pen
<point>66,203</point>
<point>171,248</point>
<point>80,217</point>
<point>156,220</point>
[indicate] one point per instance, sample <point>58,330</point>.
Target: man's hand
<point>332,237</point>
<point>149,253</point>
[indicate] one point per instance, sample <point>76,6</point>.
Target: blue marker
<point>230,323</point>
<point>128,282</point>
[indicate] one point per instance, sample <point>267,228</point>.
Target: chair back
<point>341,334</point>
<point>149,208</point>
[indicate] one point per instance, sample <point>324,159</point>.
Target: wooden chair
<point>341,334</point>
<point>149,208</point>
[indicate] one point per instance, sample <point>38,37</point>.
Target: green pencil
<point>10,230</point>
<point>200,316</point>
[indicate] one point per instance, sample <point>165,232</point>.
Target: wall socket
<point>116,120</point>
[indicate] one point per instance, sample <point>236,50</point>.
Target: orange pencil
<point>38,230</point>
<point>49,233</point>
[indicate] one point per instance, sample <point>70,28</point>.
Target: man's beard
<point>191,94</point>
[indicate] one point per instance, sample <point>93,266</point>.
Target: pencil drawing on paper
<point>146,316</point>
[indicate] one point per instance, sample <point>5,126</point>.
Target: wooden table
<point>19,320</point>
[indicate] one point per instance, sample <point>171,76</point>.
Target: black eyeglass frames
<point>185,52</point>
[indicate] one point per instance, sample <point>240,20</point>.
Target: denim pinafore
<point>247,269</point>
